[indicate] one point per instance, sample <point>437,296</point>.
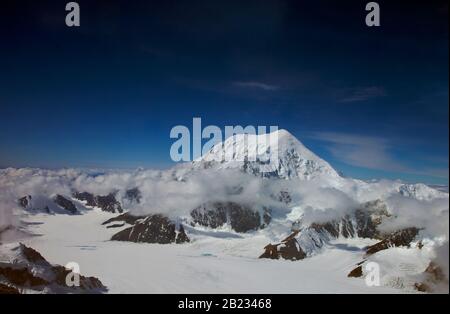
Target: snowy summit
<point>274,155</point>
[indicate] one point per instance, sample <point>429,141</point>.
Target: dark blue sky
<point>371,101</point>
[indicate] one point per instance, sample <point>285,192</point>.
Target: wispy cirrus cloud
<point>435,172</point>
<point>373,152</point>
<point>362,94</point>
<point>359,150</point>
<point>256,85</point>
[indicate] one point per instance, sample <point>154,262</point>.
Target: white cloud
<point>371,152</point>
<point>317,200</point>
<point>257,85</point>
<point>361,151</point>
<point>431,215</point>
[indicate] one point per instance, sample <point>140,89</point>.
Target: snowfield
<point>230,211</point>
<point>227,263</point>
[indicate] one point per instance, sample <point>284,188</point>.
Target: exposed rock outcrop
<point>240,217</point>
<point>434,280</point>
<point>28,271</point>
<point>42,203</point>
<point>5,289</point>
<point>25,201</point>
<point>284,197</point>
<point>362,223</point>
<point>435,272</point>
<point>86,197</point>
<point>120,225</point>
<point>210,216</point>
<point>356,273</point>
<point>181,236</point>
<point>107,203</point>
<point>399,238</point>
<point>125,217</point>
<point>153,229</point>
<point>66,204</point>
<point>133,195</point>
<point>288,249</point>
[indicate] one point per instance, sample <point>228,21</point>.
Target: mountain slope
<point>281,156</point>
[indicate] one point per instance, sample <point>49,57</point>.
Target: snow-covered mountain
<point>24,270</point>
<point>280,155</point>
<point>420,191</point>
<point>275,155</point>
<point>244,196</point>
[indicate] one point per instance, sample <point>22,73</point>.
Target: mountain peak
<point>282,156</point>
<point>282,133</point>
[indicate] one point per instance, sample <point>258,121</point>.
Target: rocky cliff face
<point>133,195</point>
<point>25,201</point>
<point>288,248</point>
<point>124,218</point>
<point>362,223</point>
<point>66,204</point>
<point>5,289</point>
<point>107,203</point>
<point>24,270</point>
<point>56,204</point>
<point>241,218</point>
<point>150,229</point>
<point>433,280</point>
<point>402,237</point>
